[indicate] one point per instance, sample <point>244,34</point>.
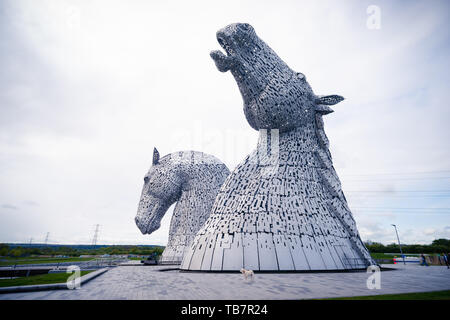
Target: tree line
<point>70,251</point>
<point>437,246</point>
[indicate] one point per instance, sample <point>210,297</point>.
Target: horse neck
<point>297,139</point>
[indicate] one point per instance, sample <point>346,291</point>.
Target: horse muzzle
<point>149,215</point>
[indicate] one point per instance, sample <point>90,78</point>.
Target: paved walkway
<point>147,282</point>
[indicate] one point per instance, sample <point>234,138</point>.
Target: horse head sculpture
<point>192,180</point>
<point>275,96</point>
<point>293,216</point>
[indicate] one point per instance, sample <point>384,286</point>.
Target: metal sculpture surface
<point>192,180</point>
<point>282,208</point>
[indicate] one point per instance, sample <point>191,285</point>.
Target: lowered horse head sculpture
<point>190,178</point>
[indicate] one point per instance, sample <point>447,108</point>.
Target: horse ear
<point>155,156</point>
<point>329,100</point>
<point>323,109</point>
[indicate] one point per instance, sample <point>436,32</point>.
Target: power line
<point>399,173</point>
<point>400,193</point>
<point>399,196</point>
<point>439,191</point>
<point>394,195</point>
<point>409,211</point>
<point>400,208</point>
<point>399,179</point>
<point>381,212</point>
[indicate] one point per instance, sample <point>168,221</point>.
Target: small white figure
<point>247,274</point>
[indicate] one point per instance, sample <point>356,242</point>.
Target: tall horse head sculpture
<point>296,217</point>
<point>192,180</point>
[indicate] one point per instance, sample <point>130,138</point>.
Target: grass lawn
<point>11,262</point>
<point>377,255</point>
<point>434,295</point>
<point>38,279</point>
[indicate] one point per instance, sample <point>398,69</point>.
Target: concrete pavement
<point>148,282</point>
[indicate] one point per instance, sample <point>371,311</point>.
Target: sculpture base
<point>283,271</point>
<point>172,263</point>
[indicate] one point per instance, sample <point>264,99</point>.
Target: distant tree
<point>393,247</point>
<point>4,248</point>
<point>16,252</point>
<point>441,242</point>
<point>376,247</point>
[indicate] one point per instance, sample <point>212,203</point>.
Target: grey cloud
<point>9,206</point>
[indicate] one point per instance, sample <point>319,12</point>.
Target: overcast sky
<point>88,88</point>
